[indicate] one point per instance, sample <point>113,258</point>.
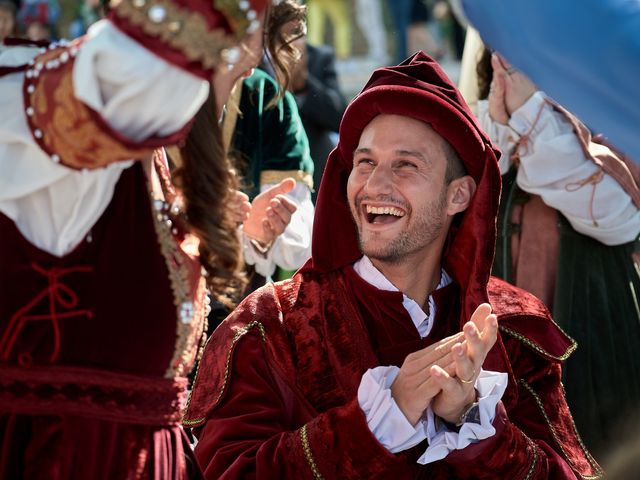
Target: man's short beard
<point>426,228</point>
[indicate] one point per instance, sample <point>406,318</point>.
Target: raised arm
<point>552,162</point>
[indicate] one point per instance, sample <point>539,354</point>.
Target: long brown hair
<point>206,177</point>
<point>484,71</point>
<point>206,180</point>
<point>282,55</point>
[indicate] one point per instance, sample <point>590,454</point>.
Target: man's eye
<point>406,164</point>
<point>364,162</point>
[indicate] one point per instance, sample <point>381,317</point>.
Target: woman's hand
<point>270,213</point>
<point>510,89</point>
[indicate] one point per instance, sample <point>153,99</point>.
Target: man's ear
<point>459,194</point>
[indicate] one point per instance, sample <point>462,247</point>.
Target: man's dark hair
<point>455,167</point>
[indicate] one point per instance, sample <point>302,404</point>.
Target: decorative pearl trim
<point>34,72</point>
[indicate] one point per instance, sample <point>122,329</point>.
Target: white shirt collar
<point>423,322</point>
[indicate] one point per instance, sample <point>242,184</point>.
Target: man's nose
<point>380,181</point>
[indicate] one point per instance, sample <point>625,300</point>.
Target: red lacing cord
<point>58,294</point>
<point>524,139</point>
<point>593,179</point>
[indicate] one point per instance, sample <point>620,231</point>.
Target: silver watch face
<point>472,415</point>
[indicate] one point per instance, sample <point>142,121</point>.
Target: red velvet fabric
<point>85,344</point>
<point>275,396</point>
<point>300,363</point>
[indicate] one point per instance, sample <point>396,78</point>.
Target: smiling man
<point>392,353</point>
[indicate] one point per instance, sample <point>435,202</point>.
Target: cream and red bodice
<point>110,327</point>
<point>127,300</point>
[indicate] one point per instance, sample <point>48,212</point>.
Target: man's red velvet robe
<point>276,393</point>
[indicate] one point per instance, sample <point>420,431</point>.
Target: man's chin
<point>382,254</point>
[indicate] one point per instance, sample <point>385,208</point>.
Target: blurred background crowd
<point>552,215</point>
<point>363,33</point>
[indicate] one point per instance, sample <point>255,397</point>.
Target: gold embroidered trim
<point>189,336</point>
<point>538,348</point>
<point>534,463</point>
<point>237,18</point>
<point>276,176</point>
<point>552,429</point>
<point>307,453</point>
<point>191,306</point>
<point>61,123</point>
<point>181,29</point>
<point>227,367</point>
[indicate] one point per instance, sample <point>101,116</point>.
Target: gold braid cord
<point>304,438</point>
<point>534,461</point>
<point>554,434</point>
<point>534,346</point>
<point>227,368</point>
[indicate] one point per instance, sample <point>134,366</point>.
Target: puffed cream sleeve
<point>74,116</point>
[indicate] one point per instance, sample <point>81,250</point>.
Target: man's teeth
<point>385,211</point>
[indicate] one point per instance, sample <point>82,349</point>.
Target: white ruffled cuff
<point>490,386</point>
<point>385,419</point>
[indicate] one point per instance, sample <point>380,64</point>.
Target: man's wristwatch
<point>470,415</point>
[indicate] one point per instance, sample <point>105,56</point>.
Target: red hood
<point>420,89</point>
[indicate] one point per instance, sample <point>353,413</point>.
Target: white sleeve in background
<point>291,249</point>
<point>503,136</point>
<point>136,92</point>
<point>553,164</point>
<point>392,429</point>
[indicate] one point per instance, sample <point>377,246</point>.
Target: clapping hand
<point>457,384</point>
<point>414,387</point>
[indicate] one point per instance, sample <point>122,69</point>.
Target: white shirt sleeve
<point>291,249</point>
<point>136,92</point>
<point>553,166</point>
<point>392,429</point>
<point>385,419</point>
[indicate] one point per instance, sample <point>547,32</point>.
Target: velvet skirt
<point>596,302</point>
<point>57,447</point>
